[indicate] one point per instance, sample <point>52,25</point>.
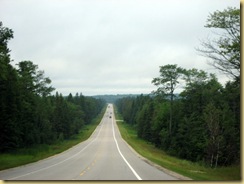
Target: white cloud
<point>107,46</point>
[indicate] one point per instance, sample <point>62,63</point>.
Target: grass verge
<point>29,155</point>
<point>183,167</point>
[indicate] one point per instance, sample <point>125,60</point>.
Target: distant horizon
<point>103,47</point>
<point>125,94</point>
<point>119,94</point>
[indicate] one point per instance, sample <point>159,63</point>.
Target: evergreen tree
<point>167,83</point>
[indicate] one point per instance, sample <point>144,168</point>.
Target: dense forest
<point>113,98</point>
<point>29,114</point>
<point>202,123</point>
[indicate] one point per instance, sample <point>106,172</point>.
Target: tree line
<point>201,123</point>
<point>29,114</point>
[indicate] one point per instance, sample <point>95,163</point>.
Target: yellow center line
<point>92,163</point>
<point>82,173</point>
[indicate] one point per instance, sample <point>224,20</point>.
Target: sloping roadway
<point>104,156</point>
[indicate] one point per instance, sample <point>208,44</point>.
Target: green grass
<point>186,168</point>
<point>29,155</point>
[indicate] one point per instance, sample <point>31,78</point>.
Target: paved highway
<point>104,156</point>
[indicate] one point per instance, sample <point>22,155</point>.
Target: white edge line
<point>131,168</point>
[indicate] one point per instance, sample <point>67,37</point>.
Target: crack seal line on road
<point>131,168</point>
<point>62,160</point>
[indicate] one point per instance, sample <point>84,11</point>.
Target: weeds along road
<point>104,156</point>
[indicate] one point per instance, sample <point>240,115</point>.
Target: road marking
<point>131,168</point>
<point>62,160</point>
<point>82,173</point>
<point>89,166</point>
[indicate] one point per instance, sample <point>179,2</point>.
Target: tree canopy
<point>29,113</point>
<point>203,123</point>
<point>224,50</point>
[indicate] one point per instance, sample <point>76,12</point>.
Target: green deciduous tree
<point>203,124</point>
<point>206,124</point>
<point>224,50</point>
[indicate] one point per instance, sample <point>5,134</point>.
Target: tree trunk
<point>171,113</point>
<point>217,157</point>
<point>216,161</point>
<point>211,160</point>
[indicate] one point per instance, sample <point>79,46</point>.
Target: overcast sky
<point>108,46</point>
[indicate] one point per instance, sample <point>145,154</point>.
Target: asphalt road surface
<point>104,156</point>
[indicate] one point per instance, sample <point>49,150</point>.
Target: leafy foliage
<point>224,51</point>
<point>202,125</point>
<point>206,119</point>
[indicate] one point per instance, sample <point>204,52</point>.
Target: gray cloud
<point>107,46</point>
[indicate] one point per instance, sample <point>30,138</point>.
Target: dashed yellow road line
<point>90,165</point>
<point>82,173</point>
